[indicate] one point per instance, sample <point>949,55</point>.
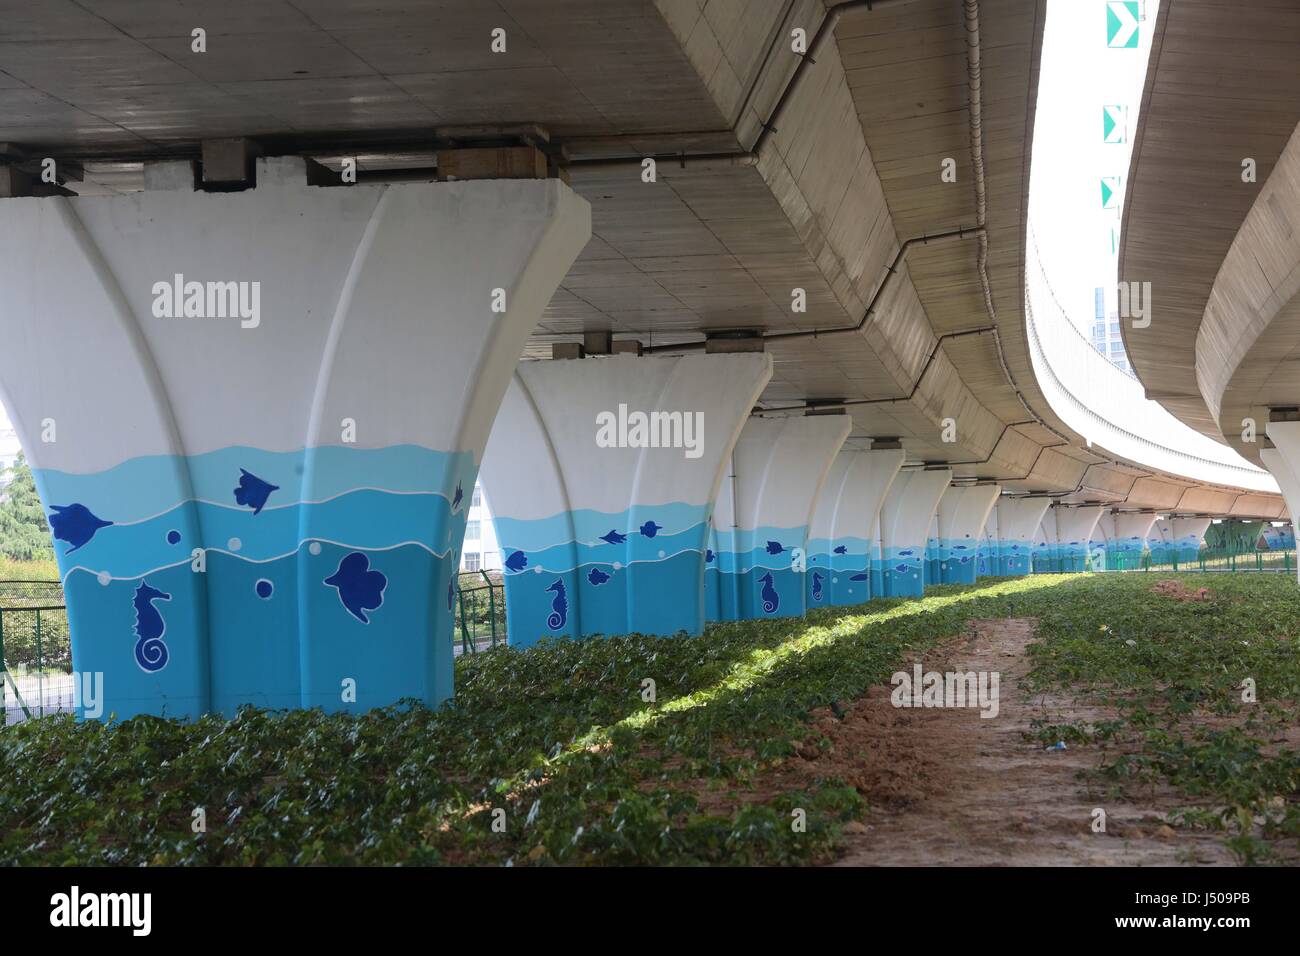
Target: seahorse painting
<point>150,651</point>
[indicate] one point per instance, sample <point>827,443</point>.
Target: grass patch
<point>587,772</point>
<point>1175,672</point>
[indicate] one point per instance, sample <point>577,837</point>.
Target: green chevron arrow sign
<point>1110,192</point>
<point>1122,24</point>
<point>1114,124</point>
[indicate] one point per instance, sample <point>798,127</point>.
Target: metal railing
<point>35,650</point>
<point>480,612</point>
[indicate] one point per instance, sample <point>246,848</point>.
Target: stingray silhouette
<point>253,491</point>
<point>74,524</point>
<point>360,588</point>
<point>613,537</point>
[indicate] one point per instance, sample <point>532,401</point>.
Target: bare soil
<point>947,787</point>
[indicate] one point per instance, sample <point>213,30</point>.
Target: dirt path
<point>948,787</point>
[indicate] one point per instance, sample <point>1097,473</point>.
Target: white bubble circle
<point>617,565</point>
<point>104,578</point>
<point>234,544</point>
<point>314,547</point>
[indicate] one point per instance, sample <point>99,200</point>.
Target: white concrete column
<point>905,519</point>
<point>963,512</point>
<point>601,474</point>
<point>1187,535</point>
<point>1074,530</point>
<point>1018,521</point>
<point>780,465</point>
<point>255,416</point>
<point>840,541</point>
<point>1124,551</point>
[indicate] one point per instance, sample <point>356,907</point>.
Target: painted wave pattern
<point>586,572</point>
<point>958,560</point>
<point>756,573</point>
<point>904,571</point>
<point>1014,557</point>
<point>210,581</point>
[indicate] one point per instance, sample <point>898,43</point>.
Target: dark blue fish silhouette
<point>959,547</point>
<point>150,651</point>
<point>650,529</point>
<point>253,491</point>
<point>457,498</point>
<point>965,558</point>
<point>771,600</point>
<point>902,568</point>
<point>841,550</point>
<point>905,554</point>
<point>775,547</point>
<point>860,577</point>
<point>709,555</point>
<point>816,586</point>
<point>360,589</point>
<point>613,537</point>
<point>74,524</point>
<point>559,607</point>
<point>597,577</point>
<point>517,561</point>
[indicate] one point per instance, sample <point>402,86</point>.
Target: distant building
<point>480,552</point>
<point>1106,337</point>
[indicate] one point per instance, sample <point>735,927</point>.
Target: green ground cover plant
<point>554,755</point>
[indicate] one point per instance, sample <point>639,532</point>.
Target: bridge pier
<point>601,474</point>
<point>845,529</point>
<point>1018,521</point>
<point>905,520</point>
<point>760,524</point>
<point>963,512</point>
<point>258,492</point>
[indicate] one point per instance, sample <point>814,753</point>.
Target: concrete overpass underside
<point>797,264</point>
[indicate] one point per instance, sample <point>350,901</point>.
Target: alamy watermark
<point>179,299</point>
<point>624,429</point>
<point>951,689</point>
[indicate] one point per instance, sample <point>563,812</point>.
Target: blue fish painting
<point>709,555</point>
<point>74,524</point>
<point>905,554</point>
<point>771,600</point>
<point>965,558</point>
<point>650,529</point>
<point>597,577</point>
<point>841,550</point>
<point>457,498</point>
<point>150,651</point>
<point>559,607</point>
<point>253,491</point>
<point>959,547</point>
<point>360,588</point>
<point>775,547</point>
<point>864,576</point>
<point>613,537</point>
<point>517,561</point>
<point>816,586</point>
<point>901,568</point>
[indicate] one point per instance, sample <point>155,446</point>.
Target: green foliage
<point>588,772</point>
<point>24,533</point>
<point>1178,689</point>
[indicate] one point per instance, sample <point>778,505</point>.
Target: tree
<point>24,532</point>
